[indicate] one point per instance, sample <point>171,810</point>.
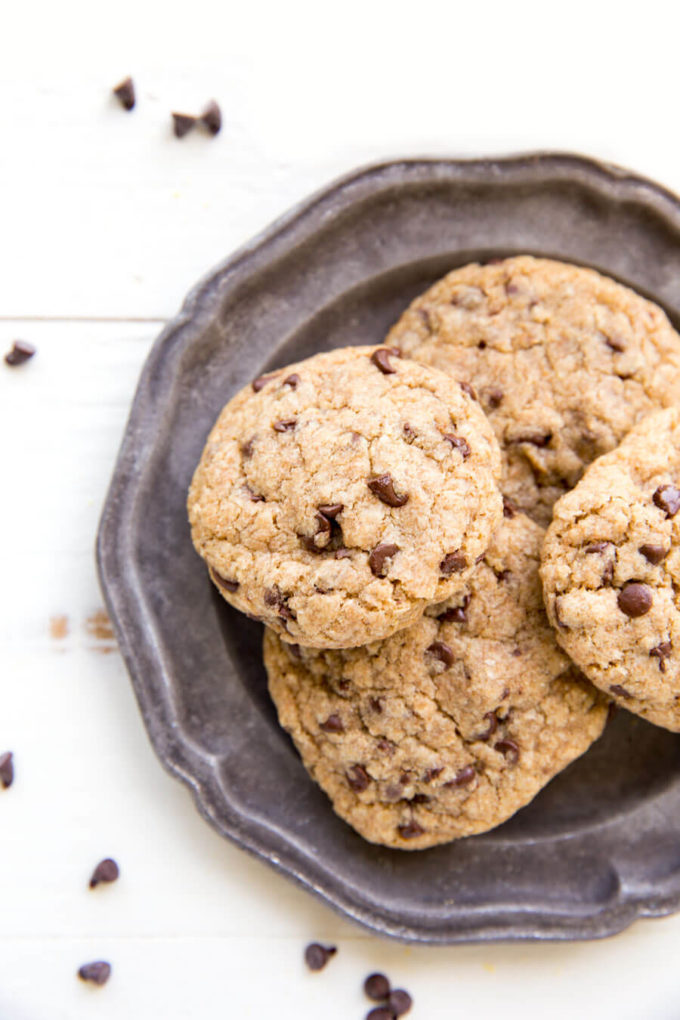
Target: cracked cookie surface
<point>337,498</point>
<point>611,571</point>
<point>564,361</point>
<point>449,727</point>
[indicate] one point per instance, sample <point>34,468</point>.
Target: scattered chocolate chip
<point>380,555</point>
<point>405,778</point>
<point>419,798</point>
<point>620,691</point>
<point>262,381</point>
<point>376,704</point>
<point>509,508</point>
<point>410,830</point>
<point>458,443</point>
<point>597,547</point>
<point>443,652</point>
<point>662,652</point>
<point>383,487</point>
<point>6,769</point>
<point>399,1002</point>
<point>292,381</point>
<point>125,93</point>
<point>182,123</point>
<point>330,510</point>
<point>342,553</point>
<point>431,774</point>
<point>615,343</point>
<point>333,724</point>
<point>482,345</point>
<point>635,599</point>
<point>509,749</point>
<point>467,388</point>
<point>358,778</point>
<point>534,438</point>
<point>377,987</point>
<point>106,871</point>
<point>386,746</point>
<point>558,619</point>
<point>452,563</point>
<point>97,972</point>
<point>285,425</point>
<point>380,1013</point>
<point>667,498</point>
<point>381,359</point>
<point>409,433</point>
<point>455,614</point>
<point>317,956</point>
<point>21,352</point>
<point>494,398</point>
<point>608,573</point>
<point>502,575</point>
<point>224,582</point>
<point>655,554</point>
<point>212,117</point>
<point>463,776</point>
<point>491,727</point>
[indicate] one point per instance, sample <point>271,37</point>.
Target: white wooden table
<point>105,222</point>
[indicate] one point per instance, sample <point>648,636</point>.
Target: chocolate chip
<point>262,381</point>
<point>381,359</point>
<point>534,438</point>
<point>21,352</point>
<point>380,1013</point>
<point>386,746</point>
<point>458,443</point>
<point>383,487</point>
<point>452,563</point>
<point>294,650</point>
<point>431,774</point>
<point>255,497</point>
<point>502,575</point>
<point>399,1002</point>
<point>106,871</point>
<point>317,956</point>
<point>655,554</point>
<point>494,398</point>
<point>292,381</point>
<point>635,599</point>
<point>182,123</point>
<point>443,652</point>
<point>376,704</point>
<point>620,691</point>
<point>491,727</point>
<point>377,987</point>
<point>558,619</point>
<point>509,749</point>
<point>456,614</point>
<point>667,498</point>
<point>410,830</point>
<point>330,510</point>
<point>608,573</point>
<point>419,798</point>
<point>224,582</point>
<point>467,388</point>
<point>380,555</point>
<point>97,972</point>
<point>6,769</point>
<point>333,724</point>
<point>662,652</point>
<point>125,93</point>
<point>409,433</point>
<point>285,425</point>
<point>358,778</point>
<point>463,777</point>
<point>597,547</point>
<point>212,117</point>
<point>509,508</point>
<point>405,778</point>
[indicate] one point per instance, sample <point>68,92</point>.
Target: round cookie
<point>611,571</point>
<point>563,360</point>
<point>337,498</point>
<point>447,728</point>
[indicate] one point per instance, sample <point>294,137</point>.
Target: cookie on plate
<point>563,360</point>
<point>611,571</point>
<point>337,498</point>
<point>447,728</point>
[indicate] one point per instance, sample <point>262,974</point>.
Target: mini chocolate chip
<point>463,776</point>
<point>662,652</point>
<point>608,573</point>
<point>380,1013</point>
<point>106,871</point>
<point>383,487</point>
<point>509,749</point>
<point>377,987</point>
<point>620,691</point>
<point>380,555</point>
<point>247,448</point>
<point>272,596</point>
<point>97,972</point>
<point>292,381</point>
<point>452,563</point>
<point>6,769</point>
<point>20,353</point>
<point>655,554</point>
<point>358,778</point>
<point>285,425</point>
<point>419,798</point>
<point>534,438</point>
<point>482,345</point>
<point>405,778</point>
<point>342,553</point>
<point>381,359</point>
<point>494,398</point>
<point>224,582</point>
<point>442,651</point>
<point>597,547</point>
<point>467,388</point>
<point>502,575</point>
<point>182,123</point>
<point>667,498</point>
<point>491,727</point>
<point>635,599</point>
<point>376,704</point>
<point>331,510</point>
<point>399,1002</point>
<point>333,724</point>
<point>509,508</point>
<point>431,774</point>
<point>458,443</point>
<point>410,830</point>
<point>409,433</point>
<point>317,956</point>
<point>386,746</point>
<point>212,117</point>
<point>262,380</point>
<point>125,93</point>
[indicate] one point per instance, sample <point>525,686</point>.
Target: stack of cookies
<point>383,511</point>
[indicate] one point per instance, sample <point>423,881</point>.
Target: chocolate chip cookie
<point>337,498</point>
<point>611,571</point>
<point>447,728</point>
<point>563,360</point>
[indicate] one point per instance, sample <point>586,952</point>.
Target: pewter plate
<point>600,845</point>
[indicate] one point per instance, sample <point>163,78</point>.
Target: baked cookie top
<point>447,728</point>
<point>611,571</point>
<point>337,498</point>
<point>564,362</point>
